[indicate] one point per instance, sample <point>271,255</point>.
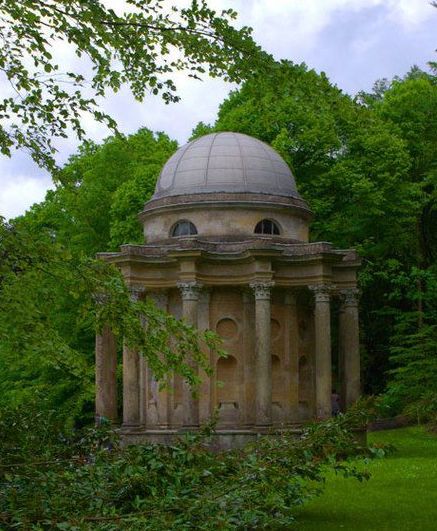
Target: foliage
<point>48,318</point>
<point>367,168</point>
<point>142,47</point>
<point>410,104</point>
<point>103,188</point>
<point>85,479</point>
<point>412,385</point>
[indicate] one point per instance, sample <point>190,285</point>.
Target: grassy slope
<point>401,494</point>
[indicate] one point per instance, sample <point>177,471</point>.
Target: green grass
<point>401,495</point>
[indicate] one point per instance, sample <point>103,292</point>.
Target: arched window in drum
<point>183,228</point>
<point>267,226</point>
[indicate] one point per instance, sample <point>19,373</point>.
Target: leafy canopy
<point>49,315</point>
<point>367,167</point>
<point>142,47</point>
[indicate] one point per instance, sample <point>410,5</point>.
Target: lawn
<point>401,494</point>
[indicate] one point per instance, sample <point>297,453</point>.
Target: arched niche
<point>227,329</point>
<point>276,377</point>
<point>275,328</point>
<point>227,392</point>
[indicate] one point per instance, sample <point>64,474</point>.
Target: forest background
<point>366,165</point>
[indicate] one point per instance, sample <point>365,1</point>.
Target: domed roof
<point>225,162</point>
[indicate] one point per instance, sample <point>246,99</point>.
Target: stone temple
<point>227,248</point>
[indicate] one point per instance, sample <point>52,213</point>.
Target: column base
<point>188,428</point>
<point>125,427</point>
<point>221,439</point>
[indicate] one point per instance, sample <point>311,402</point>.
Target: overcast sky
<point>354,42</point>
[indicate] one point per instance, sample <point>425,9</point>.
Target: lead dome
<point>226,162</point>
<point>225,186</point>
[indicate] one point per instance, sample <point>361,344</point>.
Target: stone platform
<point>222,439</point>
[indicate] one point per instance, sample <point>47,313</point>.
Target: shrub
<point>85,480</point>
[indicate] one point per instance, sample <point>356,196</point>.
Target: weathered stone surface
<point>106,379</point>
<point>322,354</point>
<point>268,297</point>
<point>349,344</point>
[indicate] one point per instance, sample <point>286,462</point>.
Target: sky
<point>355,42</point>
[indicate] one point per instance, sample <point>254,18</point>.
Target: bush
<point>85,480</point>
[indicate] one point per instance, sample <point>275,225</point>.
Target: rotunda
<point>227,248</point>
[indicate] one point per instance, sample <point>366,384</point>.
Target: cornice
<point>222,199</point>
<point>215,251</point>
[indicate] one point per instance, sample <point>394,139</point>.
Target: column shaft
<point>131,379</point>
<point>249,360</point>
<point>161,301</point>
<point>131,387</point>
<point>292,348</point>
<point>190,403</point>
<point>106,380</point>
<point>323,367</point>
<point>263,362</point>
<point>349,346</point>
<point>205,404</point>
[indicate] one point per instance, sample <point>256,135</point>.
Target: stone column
<point>190,403</point>
<point>205,402</point>
<point>106,379</point>
<point>249,359</point>
<point>349,346</point>
<point>263,362</point>
<point>292,349</point>
<point>131,380</point>
<point>160,396</point>
<point>323,370</point>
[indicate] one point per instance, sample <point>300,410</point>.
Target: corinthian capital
<point>190,291</point>
<point>262,289</point>
<point>322,292</point>
<point>349,296</point>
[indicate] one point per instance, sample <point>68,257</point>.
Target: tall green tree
<point>410,105</point>
<point>355,167</point>
<point>104,187</point>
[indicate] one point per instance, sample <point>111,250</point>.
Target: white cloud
<point>411,13</point>
<point>19,192</point>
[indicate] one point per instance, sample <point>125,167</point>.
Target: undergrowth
<point>86,480</point>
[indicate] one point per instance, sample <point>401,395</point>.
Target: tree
<point>103,189</point>
<point>354,167</point>
<point>141,48</point>
<point>410,105</point>
<point>48,317</point>
<point>48,276</point>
